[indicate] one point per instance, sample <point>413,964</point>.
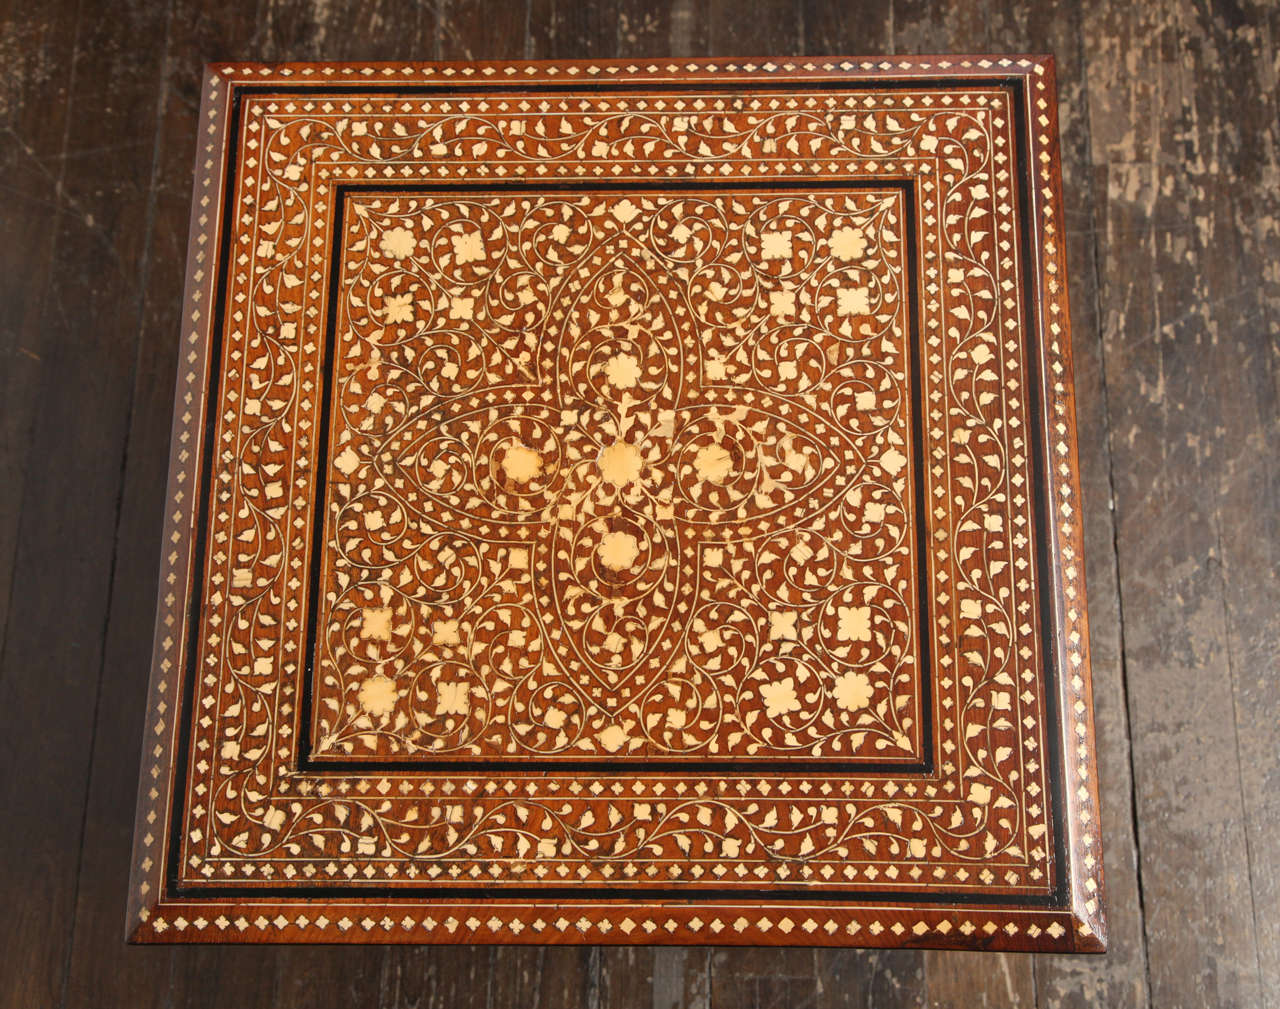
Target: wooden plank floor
<point>1172,180</point>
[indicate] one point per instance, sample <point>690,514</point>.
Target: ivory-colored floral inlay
<point>618,551</point>
<point>521,463</point>
<point>713,463</point>
<point>251,820</point>
<point>621,463</point>
<point>706,561</point>
<point>732,830</point>
<point>622,371</point>
<point>377,695</point>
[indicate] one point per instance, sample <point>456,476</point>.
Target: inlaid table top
<point>624,503</point>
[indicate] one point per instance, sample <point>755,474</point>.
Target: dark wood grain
<point>38,53</point>
<point>1120,977</point>
<point>97,973</point>
<point>1192,456</point>
<point>1191,400</point>
<point>89,292</point>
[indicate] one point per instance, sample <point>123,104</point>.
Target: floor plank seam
<point>84,813</point>
<point>1235,725</point>
<point>140,309</point>
<point>1112,505</point>
<point>1124,665</point>
<point>58,182</point>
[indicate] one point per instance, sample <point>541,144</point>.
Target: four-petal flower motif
<point>618,491</point>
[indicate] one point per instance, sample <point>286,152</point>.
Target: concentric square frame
<point>186,888</point>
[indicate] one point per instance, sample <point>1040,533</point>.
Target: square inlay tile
<point>618,503</point>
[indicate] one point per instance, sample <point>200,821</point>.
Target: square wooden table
<point>624,503</point>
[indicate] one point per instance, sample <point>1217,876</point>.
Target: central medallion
<point>620,463</point>
<point>621,476</point>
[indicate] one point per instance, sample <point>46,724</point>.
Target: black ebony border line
<point>1058,898</point>
<point>307,761</point>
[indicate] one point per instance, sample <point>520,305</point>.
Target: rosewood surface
<point>619,503</point>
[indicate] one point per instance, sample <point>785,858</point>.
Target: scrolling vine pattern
<point>619,476</point>
<point>989,712</point>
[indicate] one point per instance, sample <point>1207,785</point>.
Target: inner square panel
<point>622,475</point>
